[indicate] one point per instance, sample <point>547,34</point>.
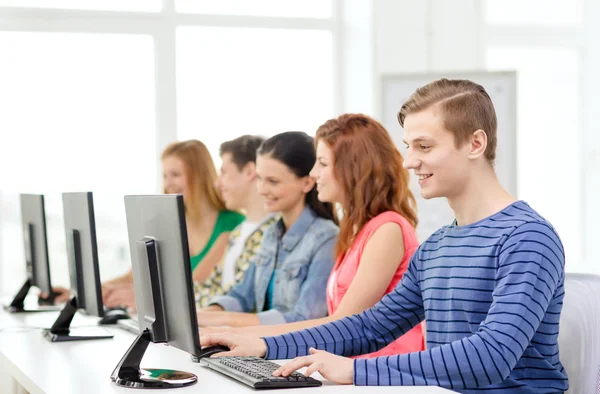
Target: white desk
<point>41,367</point>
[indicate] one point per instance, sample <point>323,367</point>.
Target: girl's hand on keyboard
<point>217,330</point>
<point>334,368</point>
<point>238,345</point>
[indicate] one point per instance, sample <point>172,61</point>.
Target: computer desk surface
<point>42,367</point>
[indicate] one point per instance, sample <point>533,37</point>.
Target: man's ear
<point>309,183</point>
<point>249,170</point>
<point>477,144</point>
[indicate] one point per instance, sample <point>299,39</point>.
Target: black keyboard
<point>257,372</point>
<point>130,325</point>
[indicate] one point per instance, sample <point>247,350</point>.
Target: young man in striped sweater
<point>489,285</point>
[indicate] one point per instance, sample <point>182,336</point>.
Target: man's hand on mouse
<point>239,345</point>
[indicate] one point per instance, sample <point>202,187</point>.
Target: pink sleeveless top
<point>346,266</point>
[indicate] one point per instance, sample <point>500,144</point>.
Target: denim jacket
<point>305,260</point>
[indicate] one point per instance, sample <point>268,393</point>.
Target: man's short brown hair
<point>465,107</point>
<point>242,149</point>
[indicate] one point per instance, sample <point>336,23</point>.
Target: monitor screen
<point>35,241</point>
<point>37,263</point>
<point>82,251</point>
<point>164,291</point>
<point>159,220</point>
<point>82,256</point>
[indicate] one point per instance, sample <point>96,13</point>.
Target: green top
<point>226,222</point>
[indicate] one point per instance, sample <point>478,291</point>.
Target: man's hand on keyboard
<point>335,368</point>
<point>239,345</point>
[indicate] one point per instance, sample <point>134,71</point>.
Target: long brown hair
<point>369,169</point>
<point>200,175</point>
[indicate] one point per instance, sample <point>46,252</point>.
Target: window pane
<point>234,81</point>
<point>549,152</point>
<point>77,115</point>
<point>107,5</point>
<point>288,8</point>
<point>534,12</point>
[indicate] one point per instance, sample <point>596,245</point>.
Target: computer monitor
<point>84,272</point>
<point>37,262</point>
<point>164,292</point>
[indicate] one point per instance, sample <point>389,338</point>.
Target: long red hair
<point>369,168</point>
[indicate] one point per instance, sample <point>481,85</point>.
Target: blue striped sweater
<point>491,294</point>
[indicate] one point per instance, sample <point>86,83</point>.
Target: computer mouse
<point>112,315</point>
<point>210,350</point>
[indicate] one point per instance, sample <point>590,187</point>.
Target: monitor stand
<point>61,330</point>
<point>18,303</point>
<point>129,374</point>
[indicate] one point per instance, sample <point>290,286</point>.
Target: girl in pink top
<point>347,266</point>
<point>359,168</point>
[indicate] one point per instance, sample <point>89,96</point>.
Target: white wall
<point>591,135</point>
<point>405,36</point>
<point>425,36</point>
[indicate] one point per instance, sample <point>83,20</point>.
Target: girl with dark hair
<point>287,279</point>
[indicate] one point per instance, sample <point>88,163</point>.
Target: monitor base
<point>18,303</point>
<point>77,334</point>
<point>152,378</point>
<point>129,374</point>
<point>32,308</point>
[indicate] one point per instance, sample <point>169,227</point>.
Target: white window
<point>235,81</point>
<point>89,99</point>
<point>77,115</point>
